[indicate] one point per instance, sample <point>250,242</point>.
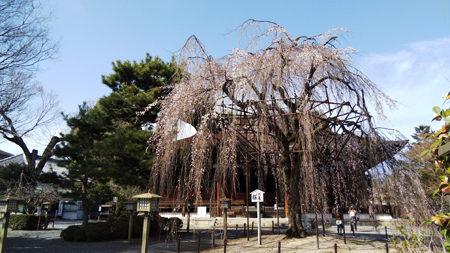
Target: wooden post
<point>39,219</point>
<point>225,224</point>
<point>385,229</point>
<point>245,230</point>
<point>279,246</point>
<point>387,248</point>
<point>340,201</point>
<point>218,202</point>
<point>335,248</point>
<point>273,229</point>
<point>236,231</point>
<point>4,232</point>
<point>315,209</point>
<point>246,194</point>
<point>130,227</point>
<point>179,244</point>
<point>278,215</point>
<point>286,207</point>
<point>225,246</point>
<point>145,231</point>
<point>252,226</point>
<point>188,218</point>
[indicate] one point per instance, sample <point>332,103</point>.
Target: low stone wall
<point>380,220</point>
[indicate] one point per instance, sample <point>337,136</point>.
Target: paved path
<point>49,240</point>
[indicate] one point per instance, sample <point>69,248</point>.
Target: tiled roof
<point>3,153</point>
<point>49,165</point>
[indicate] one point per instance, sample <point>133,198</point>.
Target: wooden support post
<point>278,215</point>
<point>340,202</point>
<point>4,232</point>
<point>188,218</point>
<point>145,232</point>
<point>246,195</point>
<point>286,207</point>
<point>225,228</point>
<point>130,227</point>
<point>218,202</point>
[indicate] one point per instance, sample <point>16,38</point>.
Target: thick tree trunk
<point>291,176</point>
<point>84,202</point>
<point>46,155</point>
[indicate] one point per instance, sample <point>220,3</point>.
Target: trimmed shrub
<point>79,235</point>
<point>120,230</point>
<point>92,234</point>
<point>68,234</point>
<point>26,222</point>
<point>101,231</point>
<point>138,223</point>
<point>105,233</point>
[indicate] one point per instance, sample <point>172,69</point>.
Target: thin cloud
<point>417,77</point>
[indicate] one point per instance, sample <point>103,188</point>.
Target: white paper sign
<point>201,212</point>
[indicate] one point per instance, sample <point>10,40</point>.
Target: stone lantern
<point>131,207</point>
<point>7,205</point>
<point>147,202</point>
<point>225,203</point>
<point>10,204</point>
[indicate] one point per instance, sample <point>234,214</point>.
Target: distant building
<point>70,210</point>
<point>4,154</point>
<point>51,164</point>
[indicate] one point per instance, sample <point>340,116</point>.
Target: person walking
<point>353,219</point>
<point>339,218</point>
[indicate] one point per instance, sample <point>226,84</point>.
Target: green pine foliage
<point>108,141</point>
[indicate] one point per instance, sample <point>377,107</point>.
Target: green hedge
<point>26,222</point>
<point>116,229</point>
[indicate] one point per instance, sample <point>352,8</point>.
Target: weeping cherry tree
<point>279,101</point>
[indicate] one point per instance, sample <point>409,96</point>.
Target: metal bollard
<point>236,231</point>
<point>225,246</point>
<point>387,248</point>
<point>198,245</point>
<point>279,246</point>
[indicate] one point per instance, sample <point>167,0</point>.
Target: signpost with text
<point>258,197</point>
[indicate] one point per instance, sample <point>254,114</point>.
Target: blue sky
<point>404,45</point>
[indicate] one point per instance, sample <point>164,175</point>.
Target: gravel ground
<point>367,240</point>
<point>49,241</point>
